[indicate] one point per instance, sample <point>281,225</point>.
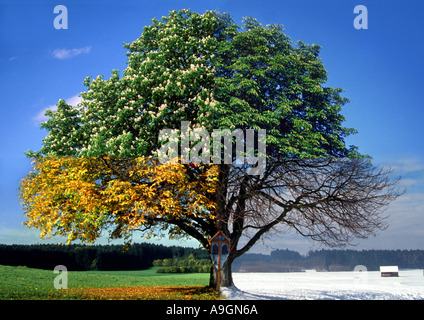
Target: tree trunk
<point>225,276</point>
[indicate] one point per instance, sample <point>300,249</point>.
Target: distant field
<point>27,283</point>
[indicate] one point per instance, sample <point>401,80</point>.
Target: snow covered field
<point>327,285</point>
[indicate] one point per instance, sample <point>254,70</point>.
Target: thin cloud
<point>19,235</point>
<point>411,171</point>
<point>407,165</point>
<point>62,54</point>
<point>73,101</point>
<point>406,217</point>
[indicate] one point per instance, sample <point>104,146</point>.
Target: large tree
<point>98,169</point>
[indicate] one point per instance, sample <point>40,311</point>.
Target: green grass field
<point>26,283</point>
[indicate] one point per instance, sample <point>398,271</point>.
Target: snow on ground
<point>313,285</point>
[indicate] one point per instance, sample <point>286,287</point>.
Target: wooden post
<point>218,281</point>
<point>216,239</point>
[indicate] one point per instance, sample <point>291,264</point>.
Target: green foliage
<point>264,81</point>
<point>183,265</point>
<point>168,79</point>
<point>207,70</point>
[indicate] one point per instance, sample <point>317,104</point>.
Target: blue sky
<point>380,68</point>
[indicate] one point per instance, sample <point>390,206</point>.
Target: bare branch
<point>328,200</point>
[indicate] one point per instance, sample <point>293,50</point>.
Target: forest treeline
<point>94,257</point>
<point>329,260</point>
<point>182,259</point>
